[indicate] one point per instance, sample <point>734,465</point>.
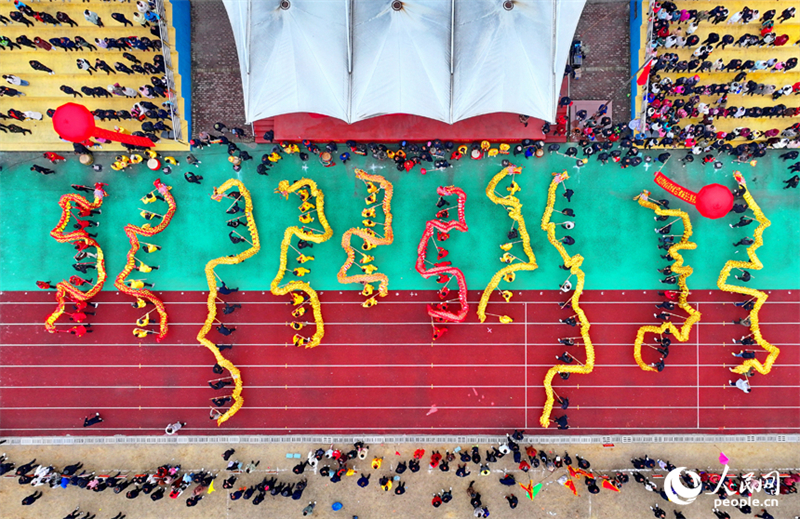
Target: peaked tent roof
<point>401,59</point>
<point>292,60</point>
<point>511,60</point>
<point>448,60</point>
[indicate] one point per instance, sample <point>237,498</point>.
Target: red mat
<point>398,127</point>
<point>377,370</point>
<point>498,127</point>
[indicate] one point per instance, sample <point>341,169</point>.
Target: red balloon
<point>73,122</point>
<point>714,201</point>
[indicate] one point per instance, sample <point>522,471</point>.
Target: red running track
<point>377,371</point>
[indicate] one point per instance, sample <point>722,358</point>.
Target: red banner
<point>675,189</point>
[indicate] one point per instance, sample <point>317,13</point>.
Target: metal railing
<point>169,72</point>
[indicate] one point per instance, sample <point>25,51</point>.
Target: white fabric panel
<point>401,59</point>
<point>237,14</point>
<point>297,57</point>
<point>296,60</point>
<point>504,60</point>
<point>570,13</point>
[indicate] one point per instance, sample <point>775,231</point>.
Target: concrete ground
<point>216,80</point>
<point>367,503</point>
<point>605,33</point>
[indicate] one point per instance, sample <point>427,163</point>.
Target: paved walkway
<point>604,30</point>
<point>554,501</point>
<point>216,81</point>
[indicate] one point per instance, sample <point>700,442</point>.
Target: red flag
<point>609,485</point>
<point>528,489</point>
<point>531,490</point>
<point>567,482</point>
<point>645,73</point>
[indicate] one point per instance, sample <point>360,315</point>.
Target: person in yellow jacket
<point>149,215</point>
<point>369,269</point>
<point>150,248</point>
<point>140,333</point>
<point>507,258</point>
<point>138,284</point>
<point>149,198</point>
<point>143,267</point>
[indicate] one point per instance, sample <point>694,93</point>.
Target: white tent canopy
<point>448,60</point>
<point>401,59</point>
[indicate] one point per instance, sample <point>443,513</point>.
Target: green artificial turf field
<point>614,234</point>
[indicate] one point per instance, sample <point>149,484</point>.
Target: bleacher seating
<point>763,114</point>
<point>45,92</point>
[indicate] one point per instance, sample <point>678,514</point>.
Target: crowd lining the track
<point>512,457</point>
